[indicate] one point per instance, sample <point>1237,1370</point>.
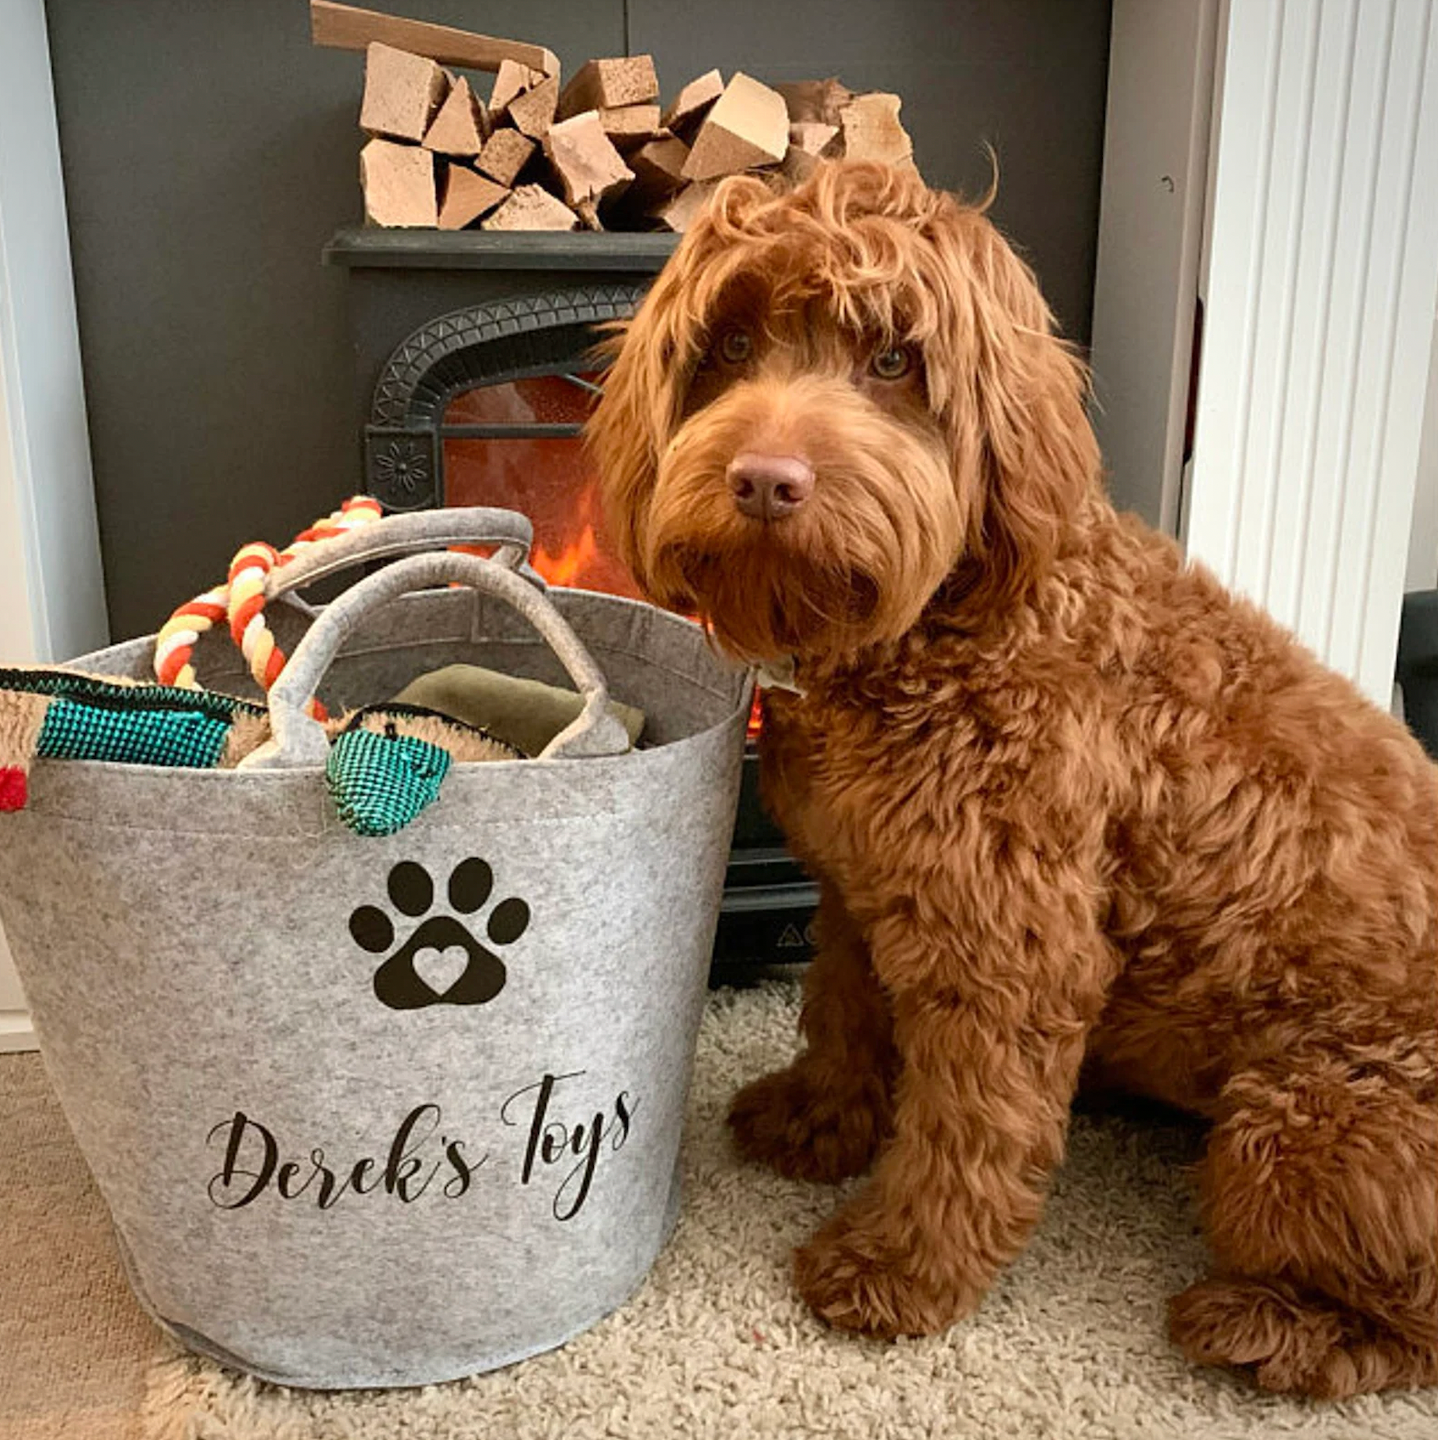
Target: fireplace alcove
<point>474,370</point>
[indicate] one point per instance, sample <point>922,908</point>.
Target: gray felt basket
<point>308,1181</point>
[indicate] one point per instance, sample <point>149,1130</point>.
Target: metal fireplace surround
<point>434,315</point>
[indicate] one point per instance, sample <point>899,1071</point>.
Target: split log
<point>533,112</point>
<point>819,100</point>
<point>630,126</point>
<point>401,93</point>
<point>511,80</point>
<point>532,207</point>
<point>461,127</point>
<point>659,167</point>
<point>813,137</point>
<point>871,130</point>
<point>747,127</point>
<point>467,196</point>
<point>505,154</point>
<point>689,107</point>
<point>810,142</point>
<point>584,158</point>
<point>346,27</point>
<point>398,184</point>
<point>608,84</point>
<point>687,206</point>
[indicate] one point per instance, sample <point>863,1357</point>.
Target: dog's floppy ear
<point>631,423</point>
<point>654,356</point>
<point>1014,403</point>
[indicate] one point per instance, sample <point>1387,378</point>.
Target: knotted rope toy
<point>240,602</point>
<point>387,762</point>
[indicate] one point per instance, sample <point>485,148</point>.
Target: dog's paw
<point>1288,1344</point>
<point>854,1276</point>
<point>805,1130</point>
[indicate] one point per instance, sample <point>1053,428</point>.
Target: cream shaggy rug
<point>1070,1344</point>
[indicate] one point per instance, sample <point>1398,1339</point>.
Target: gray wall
<point>210,151</point>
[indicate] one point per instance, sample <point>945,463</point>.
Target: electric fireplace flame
<point>500,449</point>
<point>578,563</point>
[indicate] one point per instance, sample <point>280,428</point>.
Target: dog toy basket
<point>376,1110</point>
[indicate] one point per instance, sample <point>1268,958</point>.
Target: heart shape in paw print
<point>440,969</point>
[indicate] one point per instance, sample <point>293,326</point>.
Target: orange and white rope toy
<point>240,602</point>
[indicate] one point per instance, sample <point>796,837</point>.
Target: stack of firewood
<point>598,151</point>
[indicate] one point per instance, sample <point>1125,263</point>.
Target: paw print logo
<point>441,963</point>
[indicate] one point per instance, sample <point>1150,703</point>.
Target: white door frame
<point>1146,277</point>
<point>52,602</point>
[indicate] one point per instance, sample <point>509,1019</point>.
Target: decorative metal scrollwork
<point>486,344</point>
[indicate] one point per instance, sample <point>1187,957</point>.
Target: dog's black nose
<point>769,487</point>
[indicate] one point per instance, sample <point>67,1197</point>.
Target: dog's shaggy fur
<point>1071,805</point>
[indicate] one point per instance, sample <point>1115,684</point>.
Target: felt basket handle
<point>299,740</point>
<point>354,534</point>
<point>405,534</point>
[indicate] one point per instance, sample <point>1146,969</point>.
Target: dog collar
<point>779,675</point>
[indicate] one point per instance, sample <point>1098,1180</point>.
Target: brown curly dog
<point>1070,804</point>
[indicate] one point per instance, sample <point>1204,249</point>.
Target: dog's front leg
<point>822,1117</point>
<point>990,1030</point>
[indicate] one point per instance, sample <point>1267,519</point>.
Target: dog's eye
<point>892,364</point>
<point>735,346</point>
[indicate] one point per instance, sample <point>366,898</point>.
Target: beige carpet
<point>1069,1345</point>
<point>74,1345</point>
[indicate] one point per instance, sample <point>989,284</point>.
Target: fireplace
<point>474,373</point>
